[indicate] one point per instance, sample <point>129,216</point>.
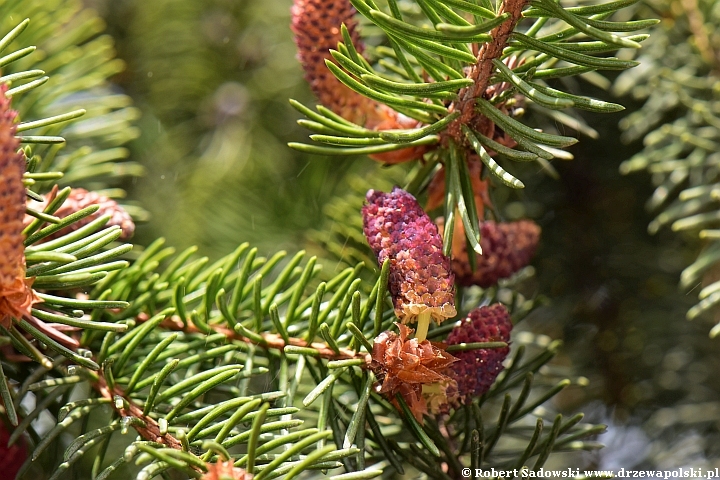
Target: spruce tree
<point>411,360</point>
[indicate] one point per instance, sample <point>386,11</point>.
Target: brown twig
<point>149,430</point>
<point>270,340</point>
<point>480,73</point>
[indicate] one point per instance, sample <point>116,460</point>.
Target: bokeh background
<point>212,79</point>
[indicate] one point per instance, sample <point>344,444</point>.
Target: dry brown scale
<point>417,371</point>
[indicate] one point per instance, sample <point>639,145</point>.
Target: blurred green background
<point>212,79</point>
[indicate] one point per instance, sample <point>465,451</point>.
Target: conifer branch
<point>175,339</point>
<point>507,69</point>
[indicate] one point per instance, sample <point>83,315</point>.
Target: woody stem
<point>482,70</point>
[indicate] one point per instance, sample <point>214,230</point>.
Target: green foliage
<point>200,386</point>
<point>67,54</point>
<point>78,259</point>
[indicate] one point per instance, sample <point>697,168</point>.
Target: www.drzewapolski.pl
<point>578,473</point>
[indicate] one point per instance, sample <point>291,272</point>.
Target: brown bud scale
<point>404,365</point>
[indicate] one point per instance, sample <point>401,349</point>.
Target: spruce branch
<point>465,87</point>
<point>52,257</point>
<point>171,341</point>
<point>113,384</point>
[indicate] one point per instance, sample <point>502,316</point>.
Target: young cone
<point>421,280</point>
<point>507,247</point>
<point>316,25</point>
<point>476,370</point>
<point>16,296</point>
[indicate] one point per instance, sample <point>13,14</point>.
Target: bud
<point>225,471</point>
<point>16,296</point>
<point>421,280</point>
<point>417,370</point>
<point>476,370</point>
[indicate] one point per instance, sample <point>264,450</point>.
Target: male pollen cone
<point>80,198</point>
<point>476,370</point>
<point>16,296</point>
<point>507,247</point>
<point>316,25</point>
<point>421,280</point>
